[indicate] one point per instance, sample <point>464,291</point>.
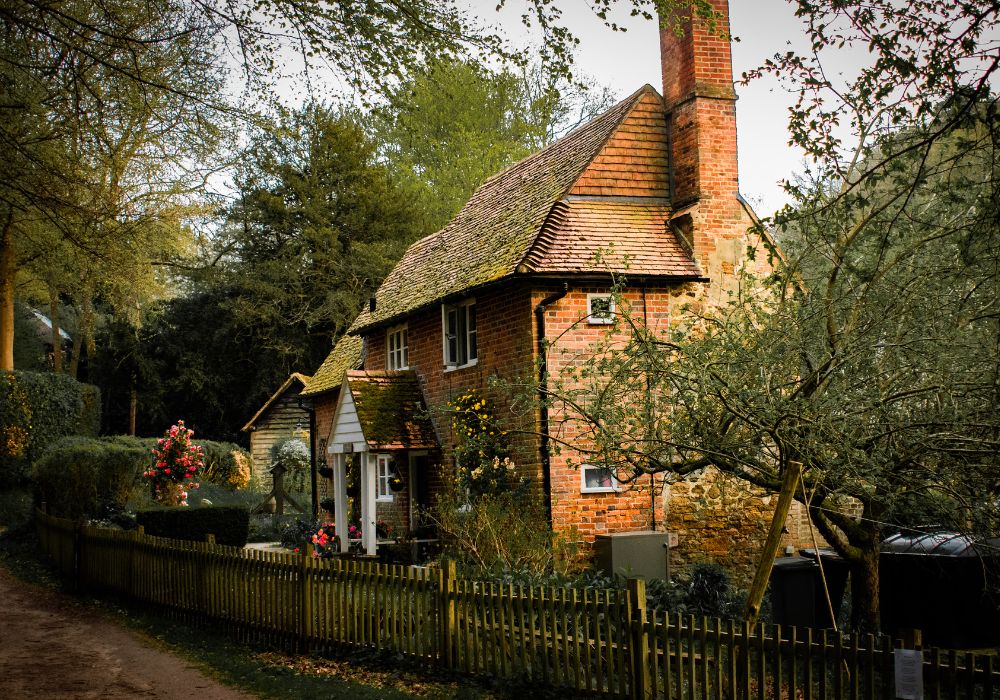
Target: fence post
<point>305,593</point>
<point>639,641</point>
<point>446,611</point>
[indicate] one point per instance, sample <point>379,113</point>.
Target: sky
<point>626,61</point>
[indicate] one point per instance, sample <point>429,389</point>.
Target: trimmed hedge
<point>82,477</point>
<point>229,524</point>
<point>55,406</point>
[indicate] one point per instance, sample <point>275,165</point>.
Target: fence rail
<point>595,642</point>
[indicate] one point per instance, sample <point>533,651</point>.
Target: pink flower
<point>167,470</point>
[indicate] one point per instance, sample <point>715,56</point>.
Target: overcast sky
<point>626,61</point>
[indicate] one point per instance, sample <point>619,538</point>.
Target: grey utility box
<point>641,553</point>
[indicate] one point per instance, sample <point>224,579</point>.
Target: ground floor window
<point>595,478</point>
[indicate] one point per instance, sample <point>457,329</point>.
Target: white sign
<point>909,674</point>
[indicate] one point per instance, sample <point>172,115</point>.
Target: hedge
<point>88,477</point>
<point>48,406</point>
<point>229,524</point>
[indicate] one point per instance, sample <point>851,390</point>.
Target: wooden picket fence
<point>589,642</point>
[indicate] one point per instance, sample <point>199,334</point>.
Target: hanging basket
<point>396,483</point>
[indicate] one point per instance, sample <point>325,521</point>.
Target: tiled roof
<point>391,410</point>
<point>576,236</point>
<point>490,236</point>
<point>293,378</point>
<point>346,354</point>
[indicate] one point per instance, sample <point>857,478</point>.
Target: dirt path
<point>52,647</point>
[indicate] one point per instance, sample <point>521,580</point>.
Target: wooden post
<point>639,642</point>
<point>446,615</point>
<point>760,578</point>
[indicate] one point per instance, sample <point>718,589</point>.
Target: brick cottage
<point>653,184</point>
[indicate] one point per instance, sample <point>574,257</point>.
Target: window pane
<point>473,349</point>
<point>600,308</point>
<point>598,478</point>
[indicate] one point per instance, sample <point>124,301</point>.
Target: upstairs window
<point>600,309</point>
<point>459,324</point>
<point>397,351</point>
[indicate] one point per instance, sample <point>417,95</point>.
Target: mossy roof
<point>295,380</point>
<point>498,226</point>
<point>346,354</point>
<point>391,409</point>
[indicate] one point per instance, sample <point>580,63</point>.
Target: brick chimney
<point>701,106</point>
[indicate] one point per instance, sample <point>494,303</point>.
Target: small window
<point>397,354</point>
<point>600,309</point>
<point>384,471</point>
<point>597,479</point>
<point>460,334</point>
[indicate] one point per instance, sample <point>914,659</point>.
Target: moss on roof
<point>346,354</point>
<point>494,230</point>
<point>391,409</point>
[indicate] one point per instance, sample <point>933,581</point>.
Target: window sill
<point>385,499</point>
<point>452,368</point>
<point>602,489</point>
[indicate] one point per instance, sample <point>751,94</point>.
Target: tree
<point>870,357</point>
<point>317,225</point>
<point>103,148</point>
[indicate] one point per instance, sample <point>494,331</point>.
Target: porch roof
<point>391,410</point>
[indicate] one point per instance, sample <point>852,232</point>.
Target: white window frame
<point>397,348</point>
<point>383,475</point>
<point>466,336</point>
<point>614,487</point>
<point>601,319</point>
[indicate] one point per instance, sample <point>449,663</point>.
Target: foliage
<point>176,462</point>
<point>482,452</point>
<point>501,532</point>
<point>96,182</point>
<point>229,524</point>
<point>226,464</point>
<point>15,417</point>
<point>81,477</point>
<point>43,407</point>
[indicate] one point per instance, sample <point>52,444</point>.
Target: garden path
<point>54,647</point>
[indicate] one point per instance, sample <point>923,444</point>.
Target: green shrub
<point>86,477</point>
<point>229,524</point>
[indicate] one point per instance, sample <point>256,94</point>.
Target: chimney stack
<point>701,107</point>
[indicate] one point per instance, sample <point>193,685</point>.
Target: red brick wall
<point>592,514</point>
<point>504,341</point>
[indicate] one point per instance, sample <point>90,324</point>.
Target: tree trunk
<point>8,267</point>
<point>133,407</point>
<point>57,354</point>
<point>84,334</point>
<point>865,608</point>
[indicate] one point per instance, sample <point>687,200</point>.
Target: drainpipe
<point>543,386</point>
